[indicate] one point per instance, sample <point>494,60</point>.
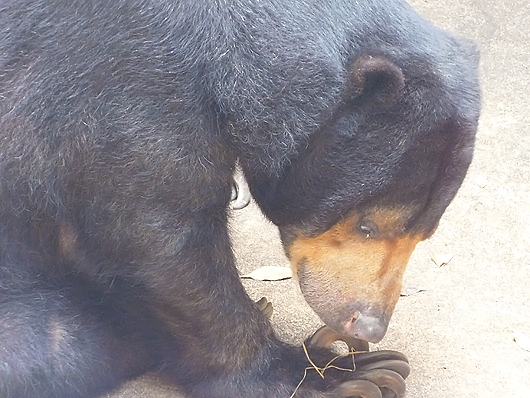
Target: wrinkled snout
<point>339,306</point>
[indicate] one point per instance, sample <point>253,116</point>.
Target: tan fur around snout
<point>345,266</point>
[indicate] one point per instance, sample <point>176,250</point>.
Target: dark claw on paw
<point>357,388</point>
<point>326,336</point>
<point>386,359</point>
<point>395,365</point>
<point>378,374</point>
<point>265,306</point>
<point>384,378</point>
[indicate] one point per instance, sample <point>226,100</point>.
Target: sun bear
<point>121,123</point>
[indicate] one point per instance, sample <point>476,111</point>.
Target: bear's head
<point>371,182</point>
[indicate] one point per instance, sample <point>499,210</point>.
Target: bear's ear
<point>376,79</point>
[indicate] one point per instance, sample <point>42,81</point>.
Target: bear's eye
<point>367,229</point>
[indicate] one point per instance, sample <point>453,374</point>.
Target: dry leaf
<point>442,259</point>
<point>270,273</point>
<point>411,291</point>
<point>521,339</point>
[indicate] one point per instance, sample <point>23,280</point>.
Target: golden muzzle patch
<point>351,275</point>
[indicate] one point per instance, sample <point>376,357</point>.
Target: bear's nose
<point>366,326</point>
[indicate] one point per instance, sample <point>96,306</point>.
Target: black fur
<point>120,125</point>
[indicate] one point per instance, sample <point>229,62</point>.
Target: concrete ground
<point>458,333</point>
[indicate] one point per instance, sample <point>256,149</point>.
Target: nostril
<point>366,326</point>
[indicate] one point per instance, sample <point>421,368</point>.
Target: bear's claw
<point>378,374</point>
<point>357,388</point>
<point>265,306</point>
<point>325,336</point>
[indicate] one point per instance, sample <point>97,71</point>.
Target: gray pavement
<point>458,332</point>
